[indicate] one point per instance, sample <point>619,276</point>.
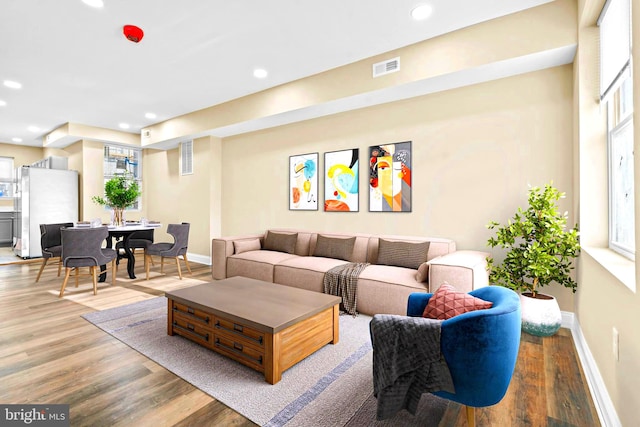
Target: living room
<point>476,149</point>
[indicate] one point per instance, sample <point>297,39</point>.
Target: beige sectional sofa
<point>382,286</point>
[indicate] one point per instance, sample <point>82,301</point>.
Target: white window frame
<point>136,171</point>
<point>6,177</point>
<point>616,91</point>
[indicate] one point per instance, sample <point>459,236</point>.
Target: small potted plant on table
<point>120,192</point>
<point>540,250</point>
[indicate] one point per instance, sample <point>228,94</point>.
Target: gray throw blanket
<point>407,362</point>
<point>343,282</point>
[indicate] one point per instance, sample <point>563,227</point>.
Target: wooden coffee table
<point>262,325</point>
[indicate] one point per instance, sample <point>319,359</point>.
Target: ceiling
<point>75,65</point>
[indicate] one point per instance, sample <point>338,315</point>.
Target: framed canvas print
<point>341,181</point>
<point>303,182</point>
<point>390,177</point>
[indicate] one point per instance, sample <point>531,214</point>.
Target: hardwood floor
<point>49,354</point>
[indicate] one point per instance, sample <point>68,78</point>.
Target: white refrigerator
<point>43,196</point>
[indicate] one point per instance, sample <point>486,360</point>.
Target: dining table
<point>125,232</point>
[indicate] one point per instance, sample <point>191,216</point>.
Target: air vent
<point>186,158</point>
<point>386,67</point>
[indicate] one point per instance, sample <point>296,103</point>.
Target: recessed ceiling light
<point>16,139</point>
<point>2,103</point>
<point>421,12</point>
<point>93,3</point>
<point>260,73</point>
<point>33,129</point>
<point>12,84</point>
<point>124,126</point>
<point>150,115</point>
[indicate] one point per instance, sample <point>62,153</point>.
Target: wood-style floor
<point>49,354</point>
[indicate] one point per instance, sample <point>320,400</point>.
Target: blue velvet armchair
<point>480,347</point>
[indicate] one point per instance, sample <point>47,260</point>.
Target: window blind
<point>615,44</point>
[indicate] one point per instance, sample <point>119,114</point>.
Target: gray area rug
<point>332,387</point>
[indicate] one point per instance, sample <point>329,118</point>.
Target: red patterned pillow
<point>447,302</point>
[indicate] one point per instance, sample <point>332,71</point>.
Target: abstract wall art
<point>303,182</point>
<point>390,177</point>
<point>341,181</point>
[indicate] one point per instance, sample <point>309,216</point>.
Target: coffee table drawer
<point>238,351</point>
<point>238,332</point>
<point>187,327</point>
<point>191,313</point>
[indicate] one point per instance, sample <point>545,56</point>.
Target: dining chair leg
<point>114,270</point>
<point>94,277</point>
<point>64,282</point>
<point>44,262</point>
<point>161,264</point>
<point>147,258</point>
<point>178,265</point>
<point>77,273</point>
<point>186,261</point>
<point>59,266</point>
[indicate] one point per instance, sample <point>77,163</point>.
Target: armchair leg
<point>64,282</point>
<point>471,416</point>
<point>44,262</point>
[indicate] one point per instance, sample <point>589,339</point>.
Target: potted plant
<point>120,192</point>
<point>540,250</point>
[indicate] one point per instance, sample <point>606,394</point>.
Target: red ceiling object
<point>133,33</point>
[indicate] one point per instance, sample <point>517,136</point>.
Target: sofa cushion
<point>334,247</point>
<point>240,246</point>
<point>447,302</point>
<point>304,272</point>
<point>402,254</point>
<point>256,264</point>
<point>281,242</point>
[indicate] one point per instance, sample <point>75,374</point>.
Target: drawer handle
<point>190,330</point>
<point>237,349</point>
<point>238,330</point>
<point>193,316</point>
<point>190,310</point>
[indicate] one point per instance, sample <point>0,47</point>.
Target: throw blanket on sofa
<point>407,362</point>
<point>343,282</point>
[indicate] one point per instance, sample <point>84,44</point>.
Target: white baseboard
<point>200,259</point>
<point>603,403</point>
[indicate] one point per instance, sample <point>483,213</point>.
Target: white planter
<point>541,315</point>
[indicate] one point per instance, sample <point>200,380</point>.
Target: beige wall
<point>172,198</point>
<point>475,151</point>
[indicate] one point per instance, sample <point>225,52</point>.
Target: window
<point>186,158</point>
<point>616,90</point>
<point>120,160</point>
<point>6,176</point>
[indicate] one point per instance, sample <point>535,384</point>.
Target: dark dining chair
<point>139,240</point>
<point>50,241</point>
<point>82,247</point>
<point>180,233</point>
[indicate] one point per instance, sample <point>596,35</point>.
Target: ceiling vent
<point>386,67</point>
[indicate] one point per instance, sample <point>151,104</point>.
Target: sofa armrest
<point>417,303</point>
<point>464,270</point>
<point>222,248</point>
